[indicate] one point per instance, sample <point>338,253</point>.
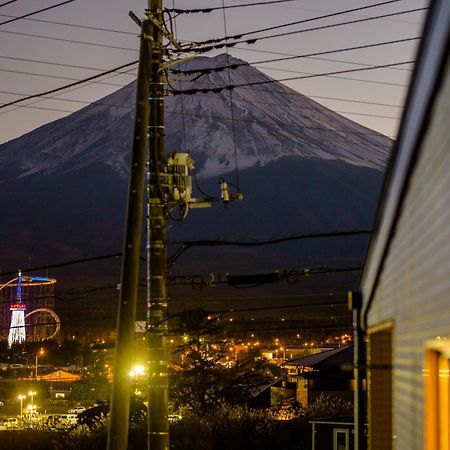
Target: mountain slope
<point>271,121</point>
<point>303,168</point>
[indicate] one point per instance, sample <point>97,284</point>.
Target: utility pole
<point>158,377</point>
<point>169,184</point>
<point>120,401</point>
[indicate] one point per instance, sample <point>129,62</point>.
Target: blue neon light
<point>19,288</point>
<point>39,278</point>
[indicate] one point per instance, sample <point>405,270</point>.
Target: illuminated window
<point>437,392</point>
<point>379,382</point>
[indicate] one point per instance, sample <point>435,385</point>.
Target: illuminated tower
<point>17,328</point>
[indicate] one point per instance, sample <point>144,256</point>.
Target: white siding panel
<point>414,289</point>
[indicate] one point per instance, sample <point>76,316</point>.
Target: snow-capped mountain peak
<point>250,125</point>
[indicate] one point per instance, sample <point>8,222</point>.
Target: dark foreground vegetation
<point>225,427</point>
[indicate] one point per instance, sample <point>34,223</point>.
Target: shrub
<point>330,406</point>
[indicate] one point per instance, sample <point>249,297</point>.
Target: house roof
<point>60,375</point>
<point>324,360</point>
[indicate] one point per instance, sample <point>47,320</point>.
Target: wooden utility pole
<point>168,182</point>
<point>120,402</point>
<point>158,379</point>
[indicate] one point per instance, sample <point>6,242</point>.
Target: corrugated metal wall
<point>414,290</point>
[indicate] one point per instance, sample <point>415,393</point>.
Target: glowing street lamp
<point>21,398</point>
<point>39,353</point>
<point>32,394</point>
<point>137,371</point>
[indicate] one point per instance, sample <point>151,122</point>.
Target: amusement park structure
<point>35,295</point>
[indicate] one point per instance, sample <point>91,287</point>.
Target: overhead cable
<point>208,243</point>
<point>51,63</point>
<point>65,264</point>
<point>72,41</point>
<point>258,83</point>
<point>7,3</point>
<point>289,58</point>
<point>290,125</point>
<point>86,27</point>
<point>76,83</point>
<point>220,45</point>
<point>58,77</point>
<point>36,12</point>
<point>298,22</point>
<point>208,10</point>
<point>185,245</point>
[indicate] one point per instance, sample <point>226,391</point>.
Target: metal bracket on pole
<point>165,32</point>
<point>135,18</point>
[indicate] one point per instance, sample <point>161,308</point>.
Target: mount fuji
<point>301,167</point>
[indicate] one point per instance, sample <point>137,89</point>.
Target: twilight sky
<point>35,55</point>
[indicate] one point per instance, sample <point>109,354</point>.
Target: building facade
<point>406,280</point>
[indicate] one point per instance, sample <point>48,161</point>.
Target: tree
<point>206,378</point>
<point>91,389</point>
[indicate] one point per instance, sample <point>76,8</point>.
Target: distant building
<point>406,280</point>
<point>305,379</point>
<point>61,375</point>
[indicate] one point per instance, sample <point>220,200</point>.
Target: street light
<point>137,371</point>
<point>21,398</point>
<point>32,394</point>
<point>40,352</point>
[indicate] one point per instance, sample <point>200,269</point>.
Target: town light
<point>39,353</point>
<point>21,398</point>
<point>137,371</point>
<point>32,394</point>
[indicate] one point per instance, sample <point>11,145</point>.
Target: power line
<point>189,92</point>
<point>106,72</point>
<point>45,109</point>
<point>7,3</point>
<point>64,264</point>
<point>86,27</point>
<point>290,125</point>
<point>208,10</point>
<point>236,162</point>
<point>186,245</point>
<point>338,99</point>
<point>298,22</point>
<point>315,75</point>
<point>232,66</point>
<point>290,276</point>
<point>36,12</point>
<point>58,77</point>
<point>331,60</point>
<point>76,83</point>
<point>98,103</point>
<point>207,243</point>
<point>254,40</point>
<point>295,93</point>
<point>61,99</point>
<point>290,58</point>
<point>69,40</point>
<point>51,63</point>
<point>335,132</point>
